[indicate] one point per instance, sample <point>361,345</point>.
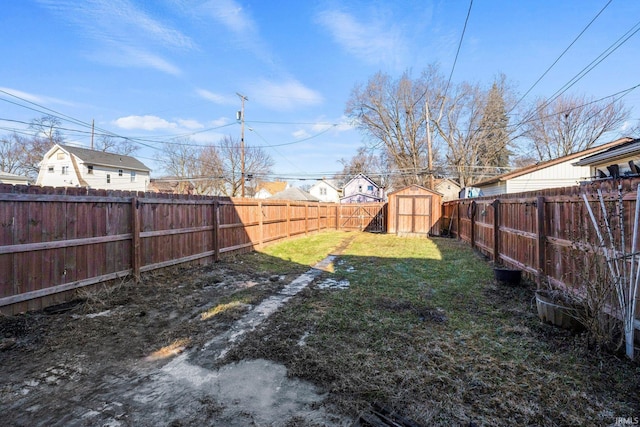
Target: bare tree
<point>112,144</point>
<point>179,159</point>
<point>368,162</point>
<point>47,128</point>
<point>13,154</point>
<point>458,124</point>
<point>257,163</point>
<point>570,124</point>
<point>392,114</point>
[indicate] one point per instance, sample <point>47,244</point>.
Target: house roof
<point>620,151</point>
<point>333,183</point>
<point>361,175</point>
<point>272,187</point>
<point>105,159</point>
<point>13,176</point>
<point>542,165</point>
<point>294,193</point>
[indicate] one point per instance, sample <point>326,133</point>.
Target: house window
<point>90,170</point>
<point>133,176</point>
<point>119,172</point>
<point>60,156</point>
<point>370,189</point>
<point>323,191</point>
<point>65,170</point>
<point>108,178</point>
<point>50,169</point>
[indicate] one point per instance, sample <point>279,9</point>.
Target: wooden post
<point>135,239</point>
<point>541,241</point>
<point>216,230</point>
<point>288,219</point>
<point>260,225</point>
<point>473,224</point>
<point>458,203</point>
<point>496,231</point>
<point>306,219</point>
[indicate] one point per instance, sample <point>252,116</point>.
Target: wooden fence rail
<point>56,240</point>
<point>547,234</point>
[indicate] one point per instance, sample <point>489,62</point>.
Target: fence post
<point>473,224</point>
<point>458,233</point>
<point>306,218</point>
<point>216,230</point>
<point>260,225</point>
<point>496,231</point>
<point>288,219</point>
<point>541,241</point>
<point>135,240</point>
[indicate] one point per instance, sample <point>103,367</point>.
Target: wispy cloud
<point>285,95</point>
<point>374,41</point>
<point>36,99</point>
<point>216,98</point>
<point>230,14</point>
<point>123,30</point>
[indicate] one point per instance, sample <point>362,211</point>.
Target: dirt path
<point>147,356</point>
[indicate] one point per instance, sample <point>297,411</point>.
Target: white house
<point>619,161</point>
<point>555,173</point>
<point>326,190</point>
<point>362,189</point>
<point>67,166</point>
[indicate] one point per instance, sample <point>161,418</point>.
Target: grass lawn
<point>423,328</point>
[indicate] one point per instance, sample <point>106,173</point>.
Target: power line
<point>464,29</point>
<point>561,55</point>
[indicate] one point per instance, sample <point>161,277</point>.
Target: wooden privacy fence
<point>56,240</point>
<point>546,233</point>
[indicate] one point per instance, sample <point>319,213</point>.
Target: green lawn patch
<point>424,328</point>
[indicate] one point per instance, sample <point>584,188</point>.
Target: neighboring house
<point>619,161</point>
<point>294,193</point>
<point>448,188</point>
<point>362,189</point>
<point>555,173</point>
<point>265,190</point>
<point>12,178</point>
<point>170,185</point>
<point>326,190</point>
<point>67,166</point>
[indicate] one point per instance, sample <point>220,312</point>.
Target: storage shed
<point>414,210</point>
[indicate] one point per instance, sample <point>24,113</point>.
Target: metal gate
<point>370,217</point>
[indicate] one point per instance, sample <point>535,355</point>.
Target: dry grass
<point>424,329</point>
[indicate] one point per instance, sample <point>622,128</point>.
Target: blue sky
<point>152,70</point>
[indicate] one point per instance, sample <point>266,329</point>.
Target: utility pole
<point>240,116</point>
<point>429,150</point>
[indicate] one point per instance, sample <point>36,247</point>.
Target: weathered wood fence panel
<point>547,233</point>
<point>56,240</point>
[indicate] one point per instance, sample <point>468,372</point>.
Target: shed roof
<point>415,187</point>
